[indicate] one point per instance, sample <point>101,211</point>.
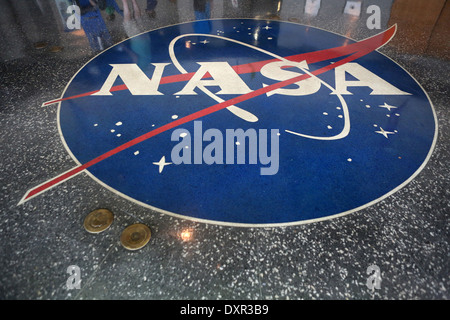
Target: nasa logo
<point>316,125</point>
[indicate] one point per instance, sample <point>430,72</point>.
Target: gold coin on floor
<point>56,48</point>
<point>135,237</point>
<point>98,220</point>
<point>40,44</point>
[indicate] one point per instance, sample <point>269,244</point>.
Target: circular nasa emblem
<point>248,122</point>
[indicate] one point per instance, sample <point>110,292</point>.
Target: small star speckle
<point>162,163</point>
<point>387,106</point>
<point>384,133</point>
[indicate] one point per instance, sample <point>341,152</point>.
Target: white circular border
<point>250,225</point>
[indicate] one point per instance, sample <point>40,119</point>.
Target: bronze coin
<point>40,44</point>
<point>98,220</point>
<point>56,48</point>
<point>135,237</point>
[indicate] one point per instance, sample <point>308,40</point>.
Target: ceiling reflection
<point>81,28</point>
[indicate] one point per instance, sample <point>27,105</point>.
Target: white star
<point>204,41</point>
<point>384,133</point>
<point>387,106</point>
<point>162,163</point>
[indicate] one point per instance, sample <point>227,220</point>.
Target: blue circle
<point>390,140</point>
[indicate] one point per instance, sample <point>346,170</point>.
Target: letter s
<point>275,70</point>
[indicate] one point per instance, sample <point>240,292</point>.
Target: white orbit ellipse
<point>248,116</point>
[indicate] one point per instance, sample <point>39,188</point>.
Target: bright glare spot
<point>186,235</point>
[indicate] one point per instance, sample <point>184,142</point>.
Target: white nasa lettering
<point>274,71</point>
<point>134,78</point>
<point>222,75</point>
<point>365,79</point>
<point>229,82</point>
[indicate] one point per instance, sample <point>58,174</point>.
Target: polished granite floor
<point>405,235</point>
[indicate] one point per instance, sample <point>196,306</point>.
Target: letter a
<point>74,20</point>
<point>364,78</point>
<point>374,21</point>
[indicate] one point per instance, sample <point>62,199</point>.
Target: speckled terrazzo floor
<point>406,235</point>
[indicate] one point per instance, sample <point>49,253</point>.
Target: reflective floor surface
<point>233,237</point>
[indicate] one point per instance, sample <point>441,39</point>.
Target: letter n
<point>134,78</point>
